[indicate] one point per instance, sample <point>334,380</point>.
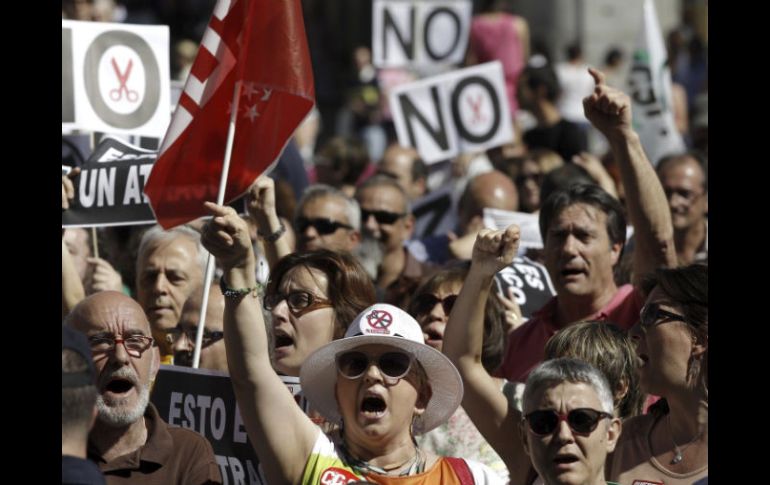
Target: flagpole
<point>220,201</point>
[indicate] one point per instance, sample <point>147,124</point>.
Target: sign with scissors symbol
<point>117,93</point>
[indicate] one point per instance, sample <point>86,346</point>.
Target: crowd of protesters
<point>456,357</point>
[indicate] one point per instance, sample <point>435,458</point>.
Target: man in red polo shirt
<point>584,232</point>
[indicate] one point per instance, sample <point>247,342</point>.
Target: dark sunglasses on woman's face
<point>382,217</point>
<point>323,226</point>
<point>354,364</point>
<point>425,303</point>
<point>581,421</point>
<point>653,314</point>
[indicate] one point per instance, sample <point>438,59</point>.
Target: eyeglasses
<point>582,421</point>
<point>651,314</point>
<point>135,344</point>
<point>299,302</point>
<point>209,336</point>
<point>393,365</point>
<point>322,225</point>
<point>424,303</point>
<point>536,177</point>
<point>382,217</point>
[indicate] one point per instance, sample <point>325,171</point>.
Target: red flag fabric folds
<point>262,45</point>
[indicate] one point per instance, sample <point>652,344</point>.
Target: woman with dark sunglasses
<point>431,306</point>
<point>380,383</point>
<point>578,394</point>
<point>670,443</point>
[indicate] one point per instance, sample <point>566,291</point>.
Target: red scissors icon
<point>117,94</point>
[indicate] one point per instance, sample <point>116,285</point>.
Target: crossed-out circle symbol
<point>379,319</point>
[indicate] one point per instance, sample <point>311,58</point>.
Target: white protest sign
<point>458,112</point>
<point>115,78</point>
<point>650,87</point>
<point>528,223</point>
<point>420,32</point>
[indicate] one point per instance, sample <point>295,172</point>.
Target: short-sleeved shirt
<point>326,466</point>
<point>526,344</point>
<point>170,456</point>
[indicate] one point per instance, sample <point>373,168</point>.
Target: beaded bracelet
<point>271,238</point>
<point>240,292</point>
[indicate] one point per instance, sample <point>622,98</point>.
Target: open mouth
<point>183,358</point>
<point>283,340</point>
<point>119,386</point>
<point>572,272</point>
<point>431,334</point>
<point>373,407</point>
<point>565,459</point>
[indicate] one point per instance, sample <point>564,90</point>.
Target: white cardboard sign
<point>458,112</point>
<point>115,78</point>
<point>420,32</point>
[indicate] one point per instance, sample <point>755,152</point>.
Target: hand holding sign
<point>67,188</point>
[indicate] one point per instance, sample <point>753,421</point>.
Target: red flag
<point>262,44</point>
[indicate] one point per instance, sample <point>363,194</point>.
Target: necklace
<point>416,464</point>
<point>678,456</point>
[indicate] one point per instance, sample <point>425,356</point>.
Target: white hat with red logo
<point>385,325</point>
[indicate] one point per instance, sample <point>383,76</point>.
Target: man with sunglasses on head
<point>387,218</point>
<point>567,426</point>
<point>182,337</point>
<point>584,229</point>
<point>129,441</point>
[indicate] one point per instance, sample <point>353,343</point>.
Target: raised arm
<point>609,110</point>
<point>260,204</point>
<point>483,400</point>
<point>72,291</point>
<point>282,435</point>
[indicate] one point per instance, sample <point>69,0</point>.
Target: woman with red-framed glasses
<point>431,306</point>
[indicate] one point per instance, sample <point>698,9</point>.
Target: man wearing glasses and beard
<point>129,441</point>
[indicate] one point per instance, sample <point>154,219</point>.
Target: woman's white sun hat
<point>386,325</point>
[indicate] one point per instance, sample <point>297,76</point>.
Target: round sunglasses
<point>423,304</point>
<point>581,420</point>
<point>392,365</point>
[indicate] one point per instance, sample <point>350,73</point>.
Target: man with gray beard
<point>129,441</point>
